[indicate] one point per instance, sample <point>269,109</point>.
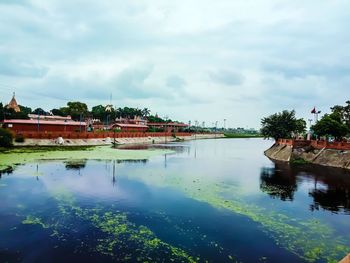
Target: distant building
<point>128,127</point>
<point>168,126</point>
<point>13,104</point>
<point>136,120</point>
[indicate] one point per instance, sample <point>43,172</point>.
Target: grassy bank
<point>242,135</point>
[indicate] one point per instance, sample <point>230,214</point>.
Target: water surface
<point>211,200</point>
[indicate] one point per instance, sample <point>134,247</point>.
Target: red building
<point>168,126</point>
<point>44,124</point>
<point>130,127</point>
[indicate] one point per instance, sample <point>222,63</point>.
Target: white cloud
<point>195,59</point>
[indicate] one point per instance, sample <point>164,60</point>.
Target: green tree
<point>331,125</point>
<point>75,109</point>
<point>6,138</point>
<point>1,111</point>
<point>153,118</point>
<point>282,125</point>
<point>344,112</point>
<point>58,112</point>
<point>12,114</point>
<point>39,111</point>
<point>98,112</point>
<point>145,112</point>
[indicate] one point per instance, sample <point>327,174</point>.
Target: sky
<point>192,60</point>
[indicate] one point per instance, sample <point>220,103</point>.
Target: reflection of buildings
<point>330,191</point>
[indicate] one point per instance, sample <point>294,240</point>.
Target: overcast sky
<point>193,60</point>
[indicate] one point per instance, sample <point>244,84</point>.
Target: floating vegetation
<point>32,220</point>
<point>117,236</point>
<point>310,239</point>
<point>10,158</point>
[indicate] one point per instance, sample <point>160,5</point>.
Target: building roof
<point>127,125</point>
<point>49,117</point>
<point>176,124</point>
<point>44,122</point>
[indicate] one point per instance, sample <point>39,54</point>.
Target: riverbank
<point>308,154</point>
<point>110,140</point>
<point>242,135</point>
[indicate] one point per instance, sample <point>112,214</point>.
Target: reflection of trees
<point>335,200</point>
<point>75,164</point>
<point>278,183</point>
<point>330,190</point>
<point>8,170</point>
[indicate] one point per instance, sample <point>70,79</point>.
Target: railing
<point>96,135</point>
<point>317,144</point>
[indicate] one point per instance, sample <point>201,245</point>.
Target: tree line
<point>79,110</point>
<point>335,124</point>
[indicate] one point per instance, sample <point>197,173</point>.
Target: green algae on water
<point>121,239</point>
<point>310,239</point>
<point>10,158</point>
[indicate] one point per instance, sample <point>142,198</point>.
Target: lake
<point>208,200</point>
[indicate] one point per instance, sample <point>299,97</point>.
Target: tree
<point>39,111</point>
<point>12,114</point>
<point>145,112</point>
<point>58,112</point>
<point>344,113</point>
<point>282,125</point>
<point>5,138</point>
<point>98,112</point>
<point>1,111</point>
<point>331,125</point>
<point>75,109</point>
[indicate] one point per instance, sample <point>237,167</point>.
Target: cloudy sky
<point>188,59</point>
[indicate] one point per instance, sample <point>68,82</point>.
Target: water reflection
<point>7,171</point>
<point>330,186</point>
<point>278,183</point>
<point>179,148</point>
<point>75,164</point>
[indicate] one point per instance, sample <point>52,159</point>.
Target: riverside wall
<point>335,154</point>
<point>125,138</point>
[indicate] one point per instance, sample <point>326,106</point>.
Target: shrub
<point>6,138</point>
<point>19,138</point>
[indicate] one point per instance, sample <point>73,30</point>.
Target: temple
<point>13,104</point>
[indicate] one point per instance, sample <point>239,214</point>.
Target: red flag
<point>313,110</point>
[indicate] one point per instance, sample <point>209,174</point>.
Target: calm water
<point>212,200</point>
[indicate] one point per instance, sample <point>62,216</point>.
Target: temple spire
<point>13,104</point>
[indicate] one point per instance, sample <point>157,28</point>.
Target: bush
<point>6,138</point>
<point>19,138</point>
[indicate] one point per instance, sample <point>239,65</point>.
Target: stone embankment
<point>300,152</point>
<point>108,140</point>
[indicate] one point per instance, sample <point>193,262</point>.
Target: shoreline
<point>109,141</point>
<point>309,155</point>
